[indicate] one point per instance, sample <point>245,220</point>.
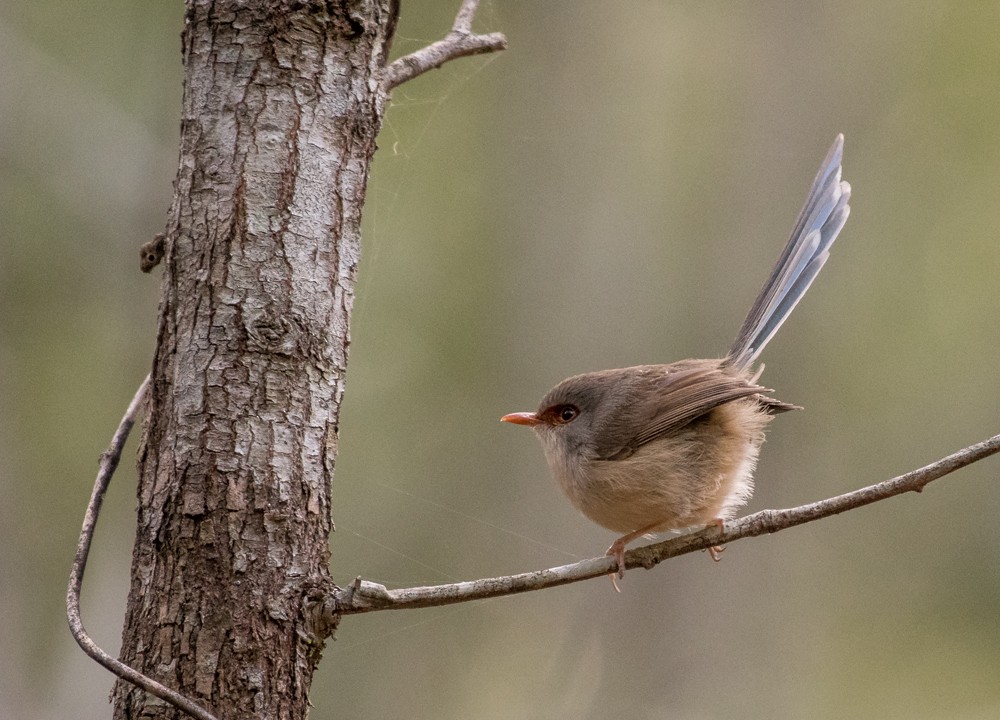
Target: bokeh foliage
<point>611,190</point>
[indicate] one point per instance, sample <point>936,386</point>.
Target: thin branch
<point>364,596</point>
<point>109,463</point>
<point>460,42</point>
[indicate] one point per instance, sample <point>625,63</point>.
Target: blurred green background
<point>611,190</point>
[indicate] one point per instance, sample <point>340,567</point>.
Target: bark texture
<point>282,105</point>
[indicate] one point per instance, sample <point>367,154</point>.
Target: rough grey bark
<point>282,104</point>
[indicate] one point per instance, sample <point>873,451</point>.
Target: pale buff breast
<point>701,473</point>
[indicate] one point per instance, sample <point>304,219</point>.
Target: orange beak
<point>521,418</point>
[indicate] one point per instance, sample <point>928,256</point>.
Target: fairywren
<point>665,447</point>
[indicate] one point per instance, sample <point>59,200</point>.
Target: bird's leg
<point>716,550</point>
<point>617,551</point>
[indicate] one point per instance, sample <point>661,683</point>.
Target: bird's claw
<point>617,551</point>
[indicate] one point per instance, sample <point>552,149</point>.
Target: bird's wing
<point>677,398</point>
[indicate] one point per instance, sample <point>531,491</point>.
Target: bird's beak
<point>521,418</point>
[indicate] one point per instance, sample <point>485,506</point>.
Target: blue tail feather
<point>820,221</point>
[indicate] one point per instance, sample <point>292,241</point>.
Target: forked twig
<point>460,42</point>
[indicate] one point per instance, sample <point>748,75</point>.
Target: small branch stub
<point>151,253</point>
<point>460,42</point>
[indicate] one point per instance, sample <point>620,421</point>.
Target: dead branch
<point>365,596</point>
<point>460,42</point>
<point>109,463</point>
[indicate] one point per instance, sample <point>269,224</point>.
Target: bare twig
<point>364,596</point>
<point>109,463</point>
<point>460,42</point>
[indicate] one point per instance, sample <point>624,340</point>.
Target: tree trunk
<point>281,109</point>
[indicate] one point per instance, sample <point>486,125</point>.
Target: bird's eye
<point>567,413</point>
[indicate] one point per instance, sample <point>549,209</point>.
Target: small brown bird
<point>652,448</point>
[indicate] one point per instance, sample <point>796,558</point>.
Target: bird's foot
<point>716,550</point>
<point>617,551</point>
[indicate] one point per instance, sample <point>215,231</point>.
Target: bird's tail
<point>819,223</point>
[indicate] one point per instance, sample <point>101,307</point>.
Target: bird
<point>654,448</point>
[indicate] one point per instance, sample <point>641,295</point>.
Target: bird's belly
<point>699,474</point>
